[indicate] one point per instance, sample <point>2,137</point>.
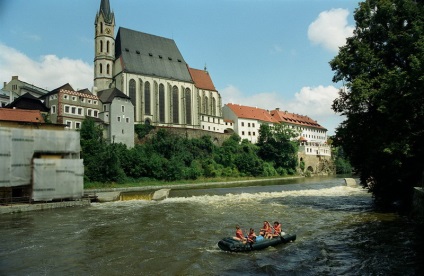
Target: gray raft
<point>230,244</point>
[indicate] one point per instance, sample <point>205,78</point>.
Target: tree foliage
<point>276,145</point>
<point>382,67</point>
<point>167,156</point>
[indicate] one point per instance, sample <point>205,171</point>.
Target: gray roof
<point>150,55</point>
<point>107,96</point>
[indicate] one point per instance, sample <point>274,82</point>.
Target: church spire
<point>105,9</point>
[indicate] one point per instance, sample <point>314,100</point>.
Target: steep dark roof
<point>150,55</point>
<point>85,91</point>
<point>56,90</point>
<point>29,102</point>
<point>107,96</point>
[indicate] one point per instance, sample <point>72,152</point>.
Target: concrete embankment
<point>18,208</point>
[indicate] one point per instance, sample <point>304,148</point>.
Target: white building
<point>247,120</point>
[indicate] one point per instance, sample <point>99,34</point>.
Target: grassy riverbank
<point>197,182</point>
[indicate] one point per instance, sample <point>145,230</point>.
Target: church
<point>151,70</point>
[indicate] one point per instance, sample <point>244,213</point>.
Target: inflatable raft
<point>230,244</point>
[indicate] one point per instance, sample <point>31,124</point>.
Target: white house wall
<point>18,146</point>
<point>122,121</point>
<point>57,178</point>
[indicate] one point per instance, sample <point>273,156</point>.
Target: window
<point>94,102</point>
<point>132,91</point>
<point>74,98</point>
<point>53,110</point>
<point>188,106</point>
<point>242,133</point>
<point>107,46</point>
<point>248,133</point>
<point>175,105</point>
<point>69,124</point>
<point>119,118</point>
<point>89,101</point>
<point>242,123</point>
<point>101,46</point>
<point>89,112</point>
<point>66,108</point>
<point>101,68</point>
<point>161,103</point>
<point>214,107</point>
<point>65,97</point>
<point>248,124</point>
<point>122,108</point>
<point>77,125</point>
<point>108,69</point>
<point>95,113</point>
<point>254,134</point>
<point>127,120</point>
<point>205,105</point>
<point>147,98</point>
<point>83,100</point>
<point>253,125</point>
<point>73,110</point>
<point>80,111</point>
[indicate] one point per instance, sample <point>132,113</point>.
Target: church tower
<point>104,47</point>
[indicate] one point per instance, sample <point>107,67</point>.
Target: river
<point>338,233</point>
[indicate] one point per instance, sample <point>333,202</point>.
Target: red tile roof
<point>248,112</point>
<point>292,118</point>
<point>21,115</point>
<point>202,79</point>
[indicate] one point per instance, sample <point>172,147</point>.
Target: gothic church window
<point>101,46</point>
<point>101,68</point>
<point>188,106</point>
<point>206,105</point>
<point>161,103</point>
<point>108,69</point>
<point>214,107</point>
<point>175,105</point>
<point>132,91</point>
<point>147,98</point>
<point>107,47</point>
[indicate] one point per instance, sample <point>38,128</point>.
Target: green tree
<point>101,160</point>
<point>276,145</point>
<point>382,67</point>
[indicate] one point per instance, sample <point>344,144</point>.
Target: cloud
<point>49,72</point>
<point>330,29</point>
<point>314,102</point>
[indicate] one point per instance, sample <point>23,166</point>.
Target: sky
<point>263,53</point>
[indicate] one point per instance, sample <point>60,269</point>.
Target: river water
<point>338,233</point>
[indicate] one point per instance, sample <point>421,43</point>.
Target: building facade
<point>111,109</point>
<point>117,115</point>
<point>247,120</point>
<point>151,70</point>
<point>70,107</point>
<point>18,88</point>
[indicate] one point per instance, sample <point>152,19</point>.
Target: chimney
<point>14,77</point>
<point>278,109</point>
<point>4,84</point>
